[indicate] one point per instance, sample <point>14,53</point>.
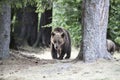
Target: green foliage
<point>22,3</point>
<point>114,21</point>
<point>117,40</point>
<point>66,13</point>
<point>43,4</point>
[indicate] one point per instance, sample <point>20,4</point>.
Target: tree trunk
<point>32,24</point>
<point>27,23</point>
<point>46,18</point>
<point>5,21</point>
<point>18,22</point>
<point>94,27</point>
<point>29,28</point>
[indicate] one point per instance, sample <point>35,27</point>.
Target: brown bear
<point>60,44</point>
<point>110,46</point>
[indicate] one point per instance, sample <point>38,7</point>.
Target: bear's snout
<point>56,47</point>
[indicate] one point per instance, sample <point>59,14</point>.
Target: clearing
<point>38,65</point>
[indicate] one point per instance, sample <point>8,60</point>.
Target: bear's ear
<point>62,35</point>
<point>52,33</point>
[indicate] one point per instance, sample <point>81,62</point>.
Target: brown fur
<point>110,46</point>
<point>60,44</point>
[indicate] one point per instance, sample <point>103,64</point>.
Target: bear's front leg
<point>68,55</point>
<point>61,56</point>
<point>54,53</point>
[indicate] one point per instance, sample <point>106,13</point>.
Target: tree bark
<point>26,28</point>
<point>18,23</point>
<point>94,27</point>
<point>46,18</point>
<point>5,21</point>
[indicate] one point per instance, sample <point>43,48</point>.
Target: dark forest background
<point>33,21</point>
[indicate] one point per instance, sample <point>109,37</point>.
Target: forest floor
<point>38,65</point>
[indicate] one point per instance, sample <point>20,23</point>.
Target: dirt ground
<point>38,65</point>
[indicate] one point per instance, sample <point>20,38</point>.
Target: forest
<point>25,39</point>
<point>45,14</point>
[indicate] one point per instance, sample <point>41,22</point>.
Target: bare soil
<point>38,65</point>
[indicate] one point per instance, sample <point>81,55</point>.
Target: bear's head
<point>57,40</point>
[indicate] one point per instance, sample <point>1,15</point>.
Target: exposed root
<point>108,56</point>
